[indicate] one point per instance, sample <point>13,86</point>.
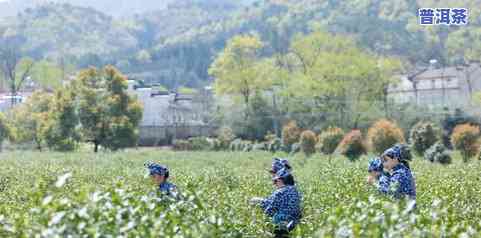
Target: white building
<point>169,115</point>
<point>6,101</point>
<point>451,87</point>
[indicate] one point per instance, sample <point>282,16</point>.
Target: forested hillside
<point>175,43</point>
<point>111,7</point>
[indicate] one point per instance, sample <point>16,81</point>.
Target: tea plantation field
<point>108,195</point>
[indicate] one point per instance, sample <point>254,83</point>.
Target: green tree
<point>260,120</point>
<point>108,115</point>
<point>237,68</point>
<point>32,118</point>
<point>331,76</point>
<point>47,75</point>
<point>62,126</point>
<point>5,130</point>
<point>14,69</point>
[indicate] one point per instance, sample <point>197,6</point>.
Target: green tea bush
<point>383,134</point>
<point>290,135</point>
<point>199,143</point>
<point>352,145</point>
<point>225,136</point>
<point>182,145</point>
<point>308,142</point>
<point>438,153</point>
<point>108,195</point>
<point>329,140</point>
<point>465,139</point>
<point>422,136</point>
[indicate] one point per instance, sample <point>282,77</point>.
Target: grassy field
<point>109,195</point>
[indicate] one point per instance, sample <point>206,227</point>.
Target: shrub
<point>225,136</point>
<point>405,152</point>
<point>329,140</point>
<point>5,131</point>
<point>275,145</point>
<point>308,142</point>
<point>199,143</point>
<point>450,122</point>
<point>181,145</point>
<point>383,134</point>
<point>464,139</point>
<point>259,122</point>
<point>290,135</point>
<point>422,136</point>
<point>438,153</point>
<point>352,145</point>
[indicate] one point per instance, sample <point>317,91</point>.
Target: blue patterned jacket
<point>383,182</point>
<point>401,183</point>
<point>168,188</point>
<point>284,206</point>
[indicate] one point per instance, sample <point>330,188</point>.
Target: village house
<point>6,100</point>
<point>449,87</point>
<point>170,115</point>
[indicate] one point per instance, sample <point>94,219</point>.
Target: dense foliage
<point>107,194</point>
<point>438,153</point>
<point>329,139</point>
<point>422,136</point>
<point>109,116</point>
<point>178,40</point>
<point>290,135</point>
<point>4,130</point>
<point>465,139</point>
<point>352,145</point>
<point>383,134</point>
<point>308,141</point>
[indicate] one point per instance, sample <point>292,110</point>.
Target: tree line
<point>94,108</point>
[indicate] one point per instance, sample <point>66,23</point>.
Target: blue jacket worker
<point>284,204</point>
<point>377,175</point>
<point>160,175</point>
<point>401,181</point>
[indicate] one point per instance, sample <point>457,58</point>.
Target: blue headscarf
<point>375,165</point>
<point>157,169</point>
<point>279,164</point>
<point>393,152</point>
<point>283,173</point>
<point>398,151</point>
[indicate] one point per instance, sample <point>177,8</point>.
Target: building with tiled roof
<point>451,87</point>
<point>170,115</point>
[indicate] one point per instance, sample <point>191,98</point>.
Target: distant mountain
<point>62,30</point>
<point>115,8</point>
<point>173,42</point>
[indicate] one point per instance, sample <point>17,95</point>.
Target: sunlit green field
<point>109,195</point>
